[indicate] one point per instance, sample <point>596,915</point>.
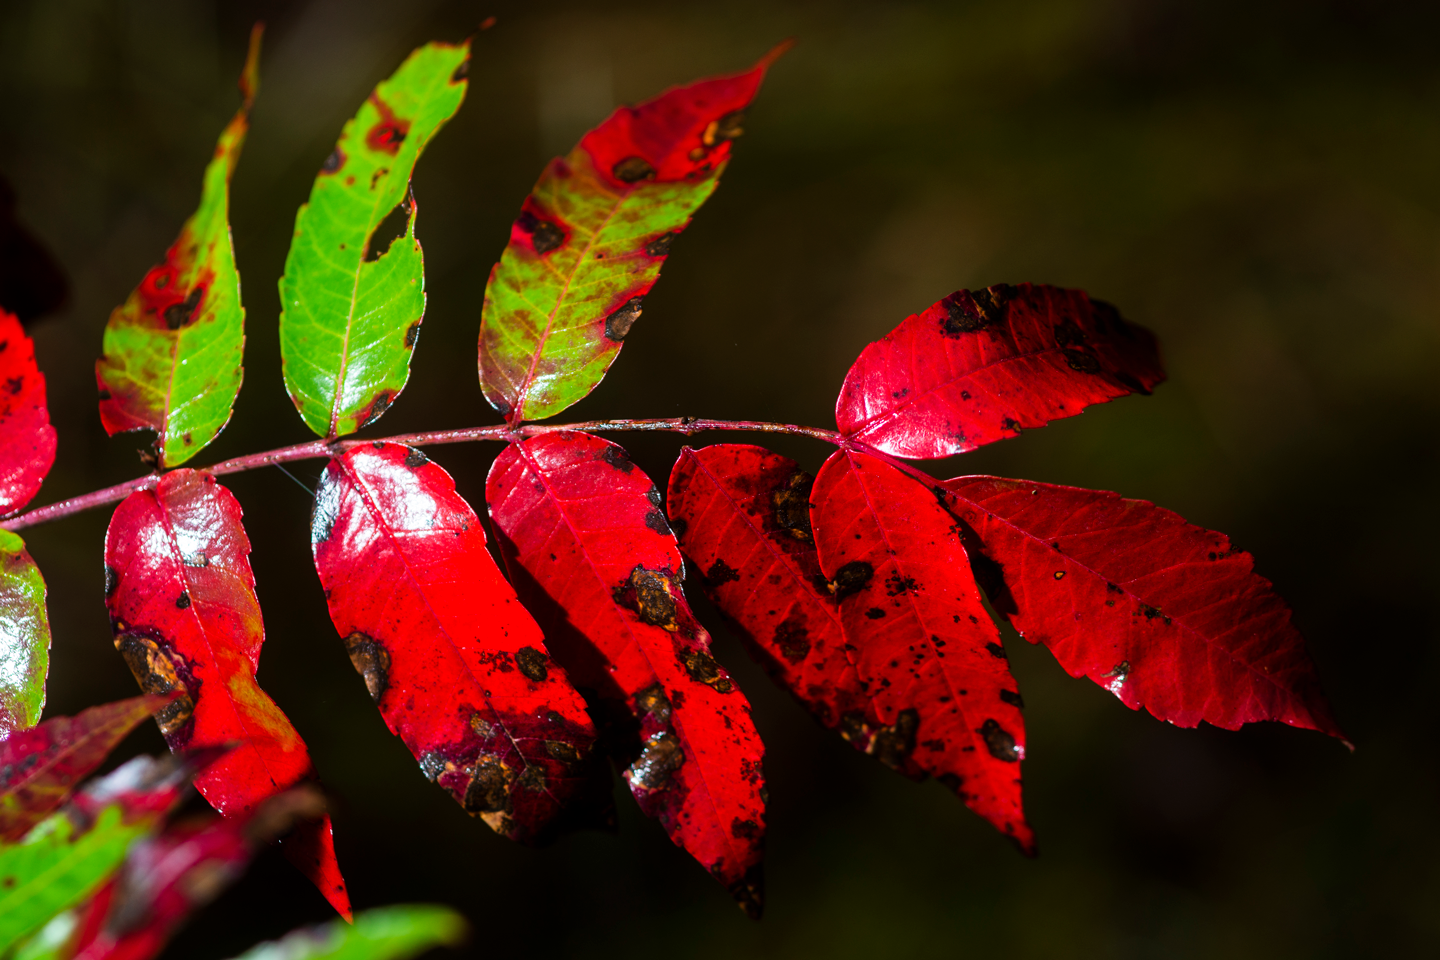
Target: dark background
<point>1259,182</point>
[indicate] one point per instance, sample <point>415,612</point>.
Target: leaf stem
<point>319,449</point>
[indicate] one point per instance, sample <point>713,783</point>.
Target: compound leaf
<point>40,767</point>
<point>351,302</point>
<point>459,670</point>
<point>599,566</point>
<point>742,517</point>
<point>27,440</point>
<point>920,638</point>
<point>183,609</point>
<point>172,350</point>
<point>386,933</point>
<point>981,365</point>
<point>24,637</point>
<point>591,238</point>
<point>1165,615</point>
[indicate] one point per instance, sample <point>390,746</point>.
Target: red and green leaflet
<point>350,311</point>
<point>456,665</point>
<point>39,767</point>
<point>591,237</point>
<point>172,351</point>
<point>181,598</point>
<point>981,365</point>
<point>27,440</point>
<point>386,933</point>
<point>602,572</point>
<point>24,637</point>
<point>1165,615</point>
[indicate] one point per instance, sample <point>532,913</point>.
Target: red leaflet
<point>27,441</point>
<point>585,524</point>
<point>742,516</point>
<point>39,767</point>
<point>980,365</point>
<point>1163,614</point>
<point>457,667</point>
<point>168,877</point>
<point>185,617</point>
<point>144,788</point>
<point>921,640</point>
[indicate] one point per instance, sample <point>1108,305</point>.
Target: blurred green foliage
<point>1255,181</point>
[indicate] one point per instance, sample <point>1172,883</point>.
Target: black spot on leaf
<point>180,314</point>
<point>618,324</point>
<point>416,459</point>
<point>533,663</point>
<point>852,578</point>
<point>719,573</point>
<point>633,170</point>
<point>999,741</point>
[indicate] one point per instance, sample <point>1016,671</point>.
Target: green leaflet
<point>51,942</point>
<point>24,637</point>
<point>349,315</point>
<point>172,351</point>
<point>591,238</point>
<point>386,933</point>
<point>56,866</point>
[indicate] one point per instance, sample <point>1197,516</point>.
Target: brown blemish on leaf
<point>1013,698</point>
<point>852,578</point>
<point>728,127</point>
<point>533,664</point>
<point>416,459</point>
<point>633,170</point>
<point>544,235</point>
<point>660,246</point>
<point>661,756</point>
<point>653,702</point>
<point>155,668</point>
<point>334,162</point>
<point>371,661</point>
<point>463,71</point>
<point>655,520</point>
<point>999,741</point>
<point>720,573</point>
<point>489,788</point>
<point>112,580</point>
<point>996,650</point>
<point>617,458</point>
<point>389,131</point>
<point>562,751</point>
<point>703,669</point>
<point>652,599</point>
<point>182,602</point>
<point>532,778</point>
<point>894,744</point>
<point>793,640</point>
<point>791,501</point>
<point>181,314</point>
<point>618,324</point>
<point>378,407</point>
<point>412,333</point>
<point>1081,362</point>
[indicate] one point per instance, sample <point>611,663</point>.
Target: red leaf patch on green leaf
<point>922,643</point>
<point>591,238</point>
<point>183,610</point>
<point>27,441</point>
<point>1165,615</point>
<point>981,365</point>
<point>599,566</point>
<point>456,665</point>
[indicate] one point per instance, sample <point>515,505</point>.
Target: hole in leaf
<point>392,228</point>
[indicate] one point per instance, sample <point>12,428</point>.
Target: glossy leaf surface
<point>601,570</point>
<point>24,637</point>
<point>183,610</point>
<point>922,643</point>
<point>456,665</point>
<point>166,878</point>
<point>742,516</point>
<point>591,238</point>
<point>27,441</point>
<point>70,853</point>
<point>351,301</point>
<point>173,349</point>
<point>40,767</point>
<point>1165,615</point>
<point>386,933</point>
<point>981,365</point>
